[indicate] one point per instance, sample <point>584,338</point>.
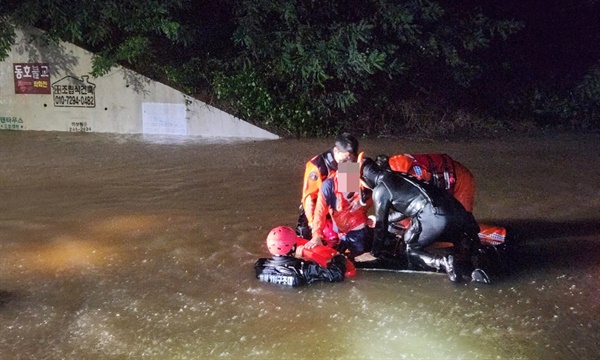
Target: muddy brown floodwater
<point>131,247</point>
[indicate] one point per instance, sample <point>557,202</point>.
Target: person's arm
<point>310,190</point>
<point>321,210</point>
<point>319,221</point>
<point>382,201</point>
<point>369,202</point>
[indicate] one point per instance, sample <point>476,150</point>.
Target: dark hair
<point>347,143</point>
<point>383,161</point>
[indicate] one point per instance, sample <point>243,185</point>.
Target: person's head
<point>348,177</point>
<point>369,173</point>
<point>282,241</point>
<point>345,149</point>
<point>383,161</point>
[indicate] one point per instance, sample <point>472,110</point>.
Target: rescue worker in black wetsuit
<point>435,216</point>
<point>286,269</point>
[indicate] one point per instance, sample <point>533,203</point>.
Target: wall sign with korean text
<point>31,78</point>
<point>79,126</point>
<point>71,91</point>
<point>11,123</point>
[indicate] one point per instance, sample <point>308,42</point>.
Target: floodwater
<point>130,247</point>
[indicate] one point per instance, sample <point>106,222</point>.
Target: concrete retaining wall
<point>49,88</point>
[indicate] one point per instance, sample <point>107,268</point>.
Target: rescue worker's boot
<point>475,251</point>
<point>438,262</point>
<point>448,264</point>
<point>478,275</point>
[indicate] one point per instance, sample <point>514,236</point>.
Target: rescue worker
<point>447,174</point>
<point>438,169</point>
<point>286,268</point>
<point>317,170</point>
<point>434,216</point>
<point>338,197</point>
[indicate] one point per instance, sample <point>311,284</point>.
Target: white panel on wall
<point>164,119</point>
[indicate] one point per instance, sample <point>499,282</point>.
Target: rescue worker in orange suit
<point>287,268</point>
<point>317,170</point>
<point>338,197</point>
<point>438,169</point>
<point>434,216</point>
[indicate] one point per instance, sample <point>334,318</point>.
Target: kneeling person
<point>434,216</point>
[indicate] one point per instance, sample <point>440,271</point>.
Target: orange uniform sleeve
<point>320,215</point>
<point>310,190</point>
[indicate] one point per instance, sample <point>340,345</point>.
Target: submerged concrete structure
<point>48,87</point>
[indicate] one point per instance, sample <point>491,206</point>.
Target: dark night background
<point>557,47</point>
<point>301,67</point>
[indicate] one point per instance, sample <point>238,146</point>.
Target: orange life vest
<point>438,169</point>
<point>344,219</point>
<point>316,171</point>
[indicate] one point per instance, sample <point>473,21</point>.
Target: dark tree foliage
<point>117,31</point>
<point>318,65</point>
<point>310,67</point>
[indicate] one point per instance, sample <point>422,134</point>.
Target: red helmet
<point>281,240</point>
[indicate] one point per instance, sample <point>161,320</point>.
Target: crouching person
<point>434,216</point>
<point>291,265</point>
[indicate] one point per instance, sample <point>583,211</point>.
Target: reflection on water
<point>115,247</point>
